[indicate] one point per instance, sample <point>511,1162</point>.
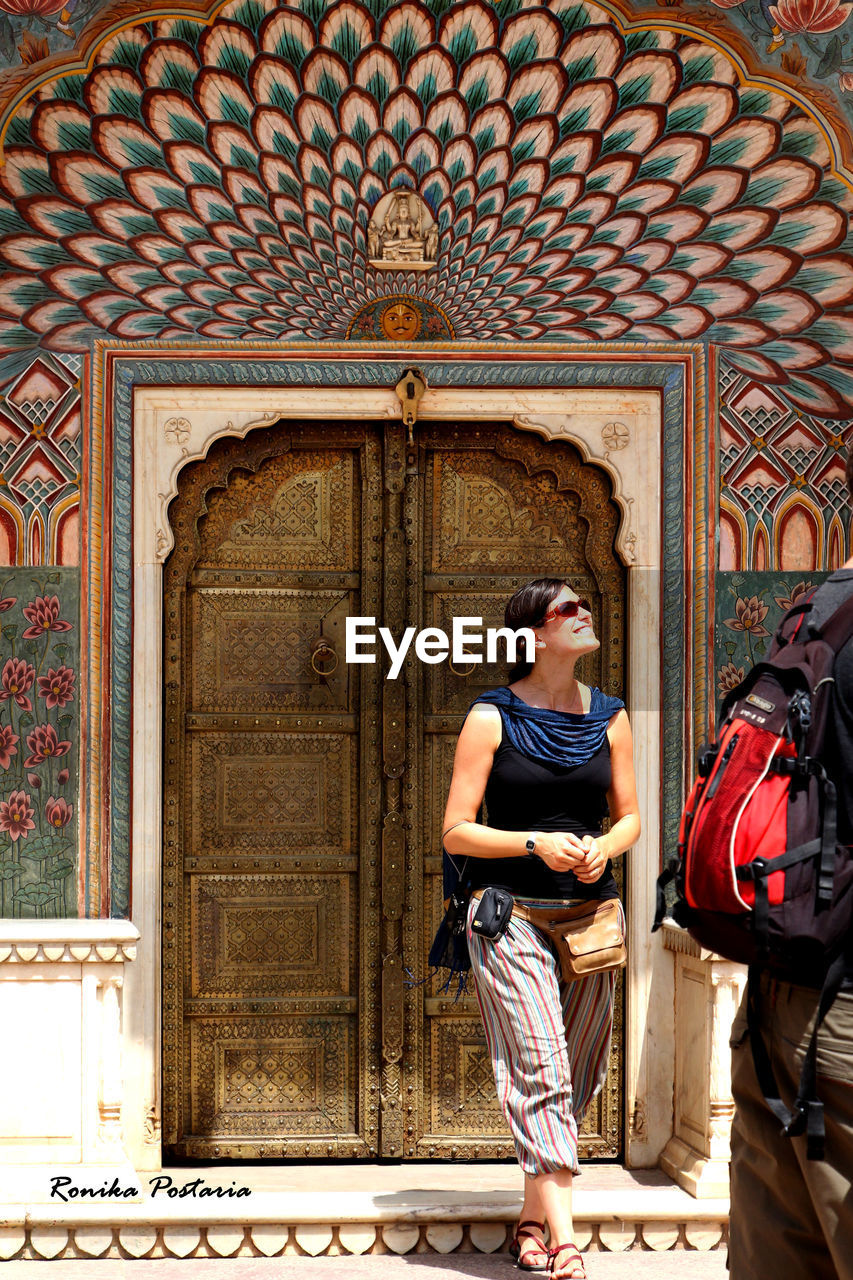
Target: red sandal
<point>522,1234</point>
<point>575,1261</point>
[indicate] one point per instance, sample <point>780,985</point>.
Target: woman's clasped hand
<point>564,851</point>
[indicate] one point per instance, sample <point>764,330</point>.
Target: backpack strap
<point>797,611</point>
<point>837,628</point>
<point>666,877</point>
<point>807,1114</point>
<point>760,868</point>
<point>807,1102</point>
<point>829,836</point>
<point>760,1056</point>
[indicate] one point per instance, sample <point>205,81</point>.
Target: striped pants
<point>549,1040</point>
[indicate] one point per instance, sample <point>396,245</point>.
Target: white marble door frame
<point>619,430</point>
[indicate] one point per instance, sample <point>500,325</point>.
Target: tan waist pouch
<point>589,936</point>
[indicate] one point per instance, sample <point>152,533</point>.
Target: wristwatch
<point>530,844</point>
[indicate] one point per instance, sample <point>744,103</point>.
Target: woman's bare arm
<point>621,800</point>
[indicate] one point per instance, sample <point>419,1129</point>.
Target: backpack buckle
<point>815,1131</point>
<point>799,718</point>
<point>755,870</point>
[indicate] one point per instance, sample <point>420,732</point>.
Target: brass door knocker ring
<point>461,673</point>
<point>321,655</point>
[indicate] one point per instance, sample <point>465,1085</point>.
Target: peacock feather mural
<point>213,178</point>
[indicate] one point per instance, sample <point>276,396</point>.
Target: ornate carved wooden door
<point>271,888</point>
<point>494,507</point>
<point>303,797</point>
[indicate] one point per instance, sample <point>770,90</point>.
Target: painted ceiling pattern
<point>802,42</point>
<point>216,180</point>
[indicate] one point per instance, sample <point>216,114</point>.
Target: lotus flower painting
<point>38,727</point>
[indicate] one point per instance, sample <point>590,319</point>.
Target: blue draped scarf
<point>560,737</point>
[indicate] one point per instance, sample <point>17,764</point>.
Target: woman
<point>551,757</point>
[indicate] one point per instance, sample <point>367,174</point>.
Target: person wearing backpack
<point>791,1213</point>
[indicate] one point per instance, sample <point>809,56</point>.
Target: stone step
<point>321,1210</point>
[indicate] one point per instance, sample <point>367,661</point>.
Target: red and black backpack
<point>760,876</point>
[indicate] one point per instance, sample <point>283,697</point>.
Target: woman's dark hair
<point>527,607</point>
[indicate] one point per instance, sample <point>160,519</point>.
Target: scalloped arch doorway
<point>579,417</point>
<point>303,795</point>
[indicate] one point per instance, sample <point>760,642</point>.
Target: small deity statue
<point>401,233</point>
<point>403,240</point>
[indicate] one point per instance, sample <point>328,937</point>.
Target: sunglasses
<point>567,609</point>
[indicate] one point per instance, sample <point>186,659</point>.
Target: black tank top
<point>523,794</point>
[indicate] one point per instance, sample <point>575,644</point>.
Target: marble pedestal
<point>708,991</point>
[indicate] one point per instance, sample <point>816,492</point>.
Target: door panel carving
<point>278,937</point>
<point>255,645</point>
<point>273,1074</point>
<point>303,797</point>
<point>259,792</point>
<point>304,520</point>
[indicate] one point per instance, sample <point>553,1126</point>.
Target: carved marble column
<point>708,990</point>
<point>109,1134</point>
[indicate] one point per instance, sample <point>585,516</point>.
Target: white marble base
<point>62,1087</point>
<point>316,1210</point>
<point>701,1175</point>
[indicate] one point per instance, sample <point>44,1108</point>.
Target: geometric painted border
<point>784,505</point>
<point>677,372</point>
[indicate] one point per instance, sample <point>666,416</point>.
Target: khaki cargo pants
<point>792,1218</point>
